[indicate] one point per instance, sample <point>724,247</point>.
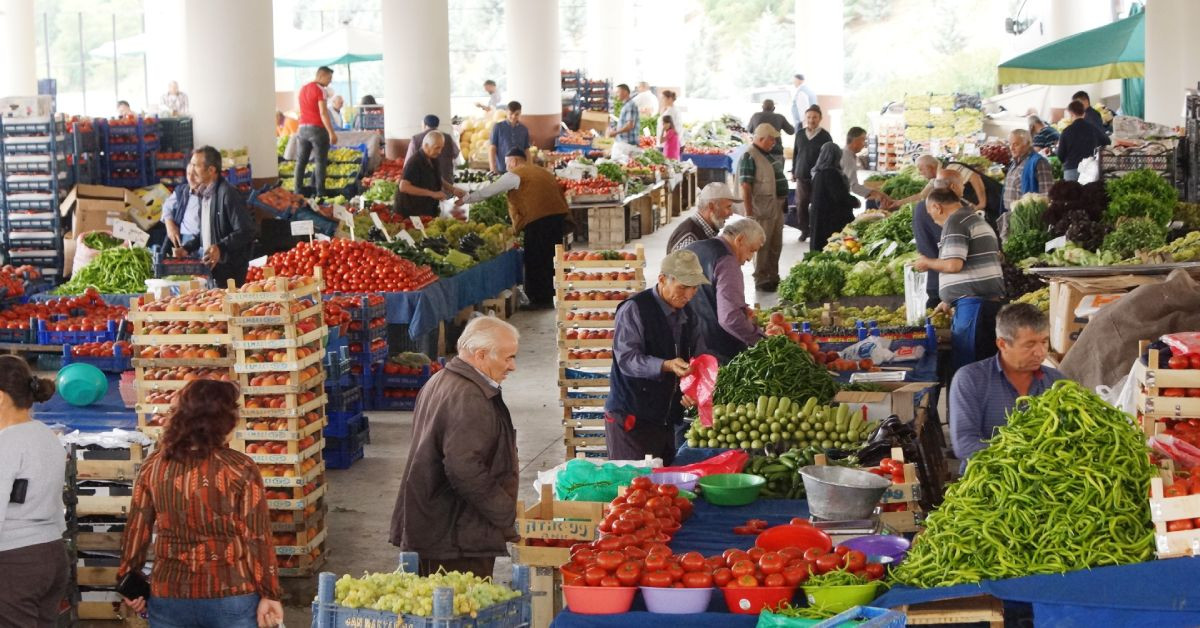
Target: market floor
<point>361,498</point>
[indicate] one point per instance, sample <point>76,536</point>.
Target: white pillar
<point>820,47</point>
<point>533,66</point>
<point>232,86</point>
<point>18,69</point>
<point>1069,17</point>
<point>166,48</point>
<point>416,67</point>
<point>1172,58</point>
<point>606,28</point>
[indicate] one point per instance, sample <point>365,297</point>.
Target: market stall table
<point>106,414</point>
<point>441,300</point>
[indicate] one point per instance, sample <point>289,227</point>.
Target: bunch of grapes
<point>409,594</point>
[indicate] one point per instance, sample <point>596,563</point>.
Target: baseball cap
<point>716,191</point>
<point>765,130</point>
<point>684,266</point>
<point>432,121</point>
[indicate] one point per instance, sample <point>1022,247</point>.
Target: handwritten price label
<point>543,529</point>
<point>302,227</point>
<point>129,232</point>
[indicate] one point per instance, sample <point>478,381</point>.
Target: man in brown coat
<point>457,504</point>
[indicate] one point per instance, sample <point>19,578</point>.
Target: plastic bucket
<point>81,384</point>
<point>751,600</point>
<point>840,598</point>
<point>599,600</point>
<point>674,601</point>
<point>685,481</point>
<point>731,489</point>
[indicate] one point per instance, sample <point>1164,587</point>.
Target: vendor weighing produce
<point>982,394</point>
<point>656,336</point>
<point>724,319</point>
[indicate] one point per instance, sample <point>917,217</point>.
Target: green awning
<point>1112,51</point>
<point>340,46</point>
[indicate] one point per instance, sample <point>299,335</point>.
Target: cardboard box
<point>97,206</point>
<point>594,121</point>
<point>1066,295</point>
<point>900,398</point>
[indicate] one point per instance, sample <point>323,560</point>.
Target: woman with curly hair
<point>214,559</point>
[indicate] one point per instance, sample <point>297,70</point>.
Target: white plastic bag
<point>623,151</point>
<point>1123,394</point>
<point>874,348</point>
<point>915,295</point>
<point>1089,170</point>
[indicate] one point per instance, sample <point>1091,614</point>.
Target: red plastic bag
<point>1183,343</point>
<point>731,461</point>
<point>699,385</point>
<point>1183,453</point>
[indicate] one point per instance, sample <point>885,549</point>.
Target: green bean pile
<point>774,367</point>
<point>114,271</point>
<point>1062,487</point>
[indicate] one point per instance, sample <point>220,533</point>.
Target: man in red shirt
<point>316,131</point>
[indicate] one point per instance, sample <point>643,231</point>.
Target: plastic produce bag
<point>731,461</point>
<point>584,481</point>
<point>767,619</point>
<point>915,295</point>
<point>699,385</point>
<point>874,348</point>
<point>1183,343</point>
<point>1183,453</point>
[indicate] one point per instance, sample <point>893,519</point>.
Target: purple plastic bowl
<point>685,481</point>
<point>676,601</point>
<point>894,547</point>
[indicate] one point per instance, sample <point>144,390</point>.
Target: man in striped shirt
<point>970,279</point>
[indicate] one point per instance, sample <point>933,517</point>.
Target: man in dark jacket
<point>809,140</point>
<point>457,504</point>
<point>776,120</point>
<point>655,338</point>
<point>723,317</point>
<point>209,216</point>
<point>1078,141</point>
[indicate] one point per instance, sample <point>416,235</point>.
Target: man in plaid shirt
<point>627,124</point>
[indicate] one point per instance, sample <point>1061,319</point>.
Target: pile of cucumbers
<point>779,424</point>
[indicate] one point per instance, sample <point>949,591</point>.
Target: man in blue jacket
<point>209,216</point>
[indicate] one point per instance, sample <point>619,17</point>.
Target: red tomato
<point>1194,361</point>
<point>610,559</point>
<point>722,576</point>
<point>1178,362</point>
<point>855,560</point>
<point>800,521</point>
<point>583,556</point>
<point>827,563</point>
<point>746,581</point>
<point>1173,392</point>
<point>656,562</point>
<point>642,482</point>
<point>796,574</point>
<point>771,563</point>
<point>692,561</point>
<point>734,555</point>
<point>668,490</point>
<point>874,571</point>
<point>812,554</point>
<point>774,580</point>
<point>742,568</point>
<point>629,572</point>
<point>744,531</point>
<point>593,576</point>
<point>841,551</point>
<point>697,580</point>
<point>660,579</point>
<point>610,581</point>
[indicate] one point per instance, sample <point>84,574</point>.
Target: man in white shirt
<point>174,102</point>
<point>646,101</point>
<point>494,98</point>
<point>335,112</point>
<point>856,140</point>
<point>802,98</point>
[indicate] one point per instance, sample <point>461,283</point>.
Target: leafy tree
<point>765,57</point>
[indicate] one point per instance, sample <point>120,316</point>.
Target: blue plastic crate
<point>344,399</point>
<point>343,425</point>
<point>363,312</point>
<point>252,201</point>
<point>18,336</point>
<point>369,358</point>
<point>514,613</point>
<point>109,364</point>
<point>866,617</point>
<point>400,404</point>
<point>410,381</point>
<point>337,458</point>
<point>340,453</point>
<point>47,337</point>
<point>369,335</point>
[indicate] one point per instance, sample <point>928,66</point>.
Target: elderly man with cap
<point>655,338</point>
<point>536,206</point>
<point>446,158</point>
<point>713,208</point>
<point>764,193</point>
<point>724,319</point>
<point>424,185</point>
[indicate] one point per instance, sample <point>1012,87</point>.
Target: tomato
<point>659,579</point>
<point>812,554</point>
<point>692,561</point>
<point>756,553</point>
<point>722,576</point>
<point>771,563</point>
<point>757,524</point>
<point>1193,392</point>
<point>746,582</point>
<point>629,572</point>
<point>795,575</point>
<point>742,568</point>
<point>1179,524</point>
<point>668,490</point>
<point>874,571</point>
<point>774,580</point>
<point>657,548</point>
<point>675,570</point>
<point>583,556</point>
<point>855,560</point>
<point>642,482</point>
<point>593,576</point>
<point>1175,490</point>
<point>800,521</point>
<point>1194,361</point>
<point>610,559</point>
<point>697,580</point>
<point>1178,362</point>
<point>608,542</point>
<point>623,526</point>
<point>610,581</point>
<point>635,553</point>
<point>1172,392</point>
<point>744,531</point>
<point>656,561</point>
<point>827,563</point>
<point>841,551</point>
<point>732,556</point>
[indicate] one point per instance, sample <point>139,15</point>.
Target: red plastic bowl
<point>751,600</point>
<point>599,600</point>
<point>802,537</point>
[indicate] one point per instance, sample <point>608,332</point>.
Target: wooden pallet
<point>968,610</point>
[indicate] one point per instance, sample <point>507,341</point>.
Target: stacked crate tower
<point>585,316</point>
<point>35,177</point>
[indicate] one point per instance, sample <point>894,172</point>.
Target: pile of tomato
<point>389,170</point>
<point>102,349</point>
<point>594,185</point>
<point>89,305</point>
<point>349,266</point>
<point>1183,484</point>
<point>14,278</point>
<point>391,368</point>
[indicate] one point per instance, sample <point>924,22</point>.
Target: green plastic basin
<point>731,489</point>
<point>840,598</point>
<point>81,384</point>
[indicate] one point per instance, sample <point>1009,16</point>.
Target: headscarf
<point>830,158</point>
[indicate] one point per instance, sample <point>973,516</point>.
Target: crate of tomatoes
<point>597,189</point>
<point>349,266</point>
<point>1167,379</point>
<point>110,356</point>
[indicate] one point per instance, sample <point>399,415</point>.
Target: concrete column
<point>416,68</point>
<point>1172,58</point>
<point>18,70</point>
<point>232,87</point>
<point>1069,17</point>
<point>166,48</point>
<point>606,28</point>
<point>820,44</point>
<point>533,66</point>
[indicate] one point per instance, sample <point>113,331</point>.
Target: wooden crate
<point>968,610</point>
<point>1152,383</point>
<point>606,226</point>
<point>552,519</point>
<point>1166,509</point>
<point>907,493</point>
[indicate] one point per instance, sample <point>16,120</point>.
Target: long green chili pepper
<point>1062,487</point>
<point>775,366</point>
<point>114,271</point>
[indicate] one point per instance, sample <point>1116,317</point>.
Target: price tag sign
<point>129,232</point>
<point>379,225</point>
<point>891,248</point>
<point>321,237</point>
<point>341,214</point>
<point>407,239</point>
<point>419,224</point>
<point>1056,243</point>
<point>302,227</point>
<point>258,262</point>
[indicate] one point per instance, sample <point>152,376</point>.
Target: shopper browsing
<point>1028,172</point>
<point>174,102</point>
<point>34,573</point>
<point>316,133</point>
<point>1045,137</point>
<point>832,203</point>
<point>969,276</point>
<point>1078,141</point>
<point>424,185</point>
<point>670,138</point>
<point>667,108</point>
<point>1089,113</point>
<point>723,318</point>
<point>802,99</point>
<point>450,151</point>
<point>983,393</point>
<point>713,208</point>
<point>507,135</point>
<point>927,167</point>
<point>655,337</point>
<point>628,119</point>
<point>538,208</point>
<point>335,112</point>
<point>457,505</point>
<point>777,122</point>
<point>204,508</point>
<point>764,193</point>
<point>494,97</point>
<point>856,140</point>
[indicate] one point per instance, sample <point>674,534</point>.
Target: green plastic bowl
<point>731,489</point>
<point>688,495</point>
<point>841,598</point>
<point>81,384</point>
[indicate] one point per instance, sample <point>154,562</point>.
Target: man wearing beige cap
<point>764,190</point>
<point>713,208</point>
<point>654,341</point>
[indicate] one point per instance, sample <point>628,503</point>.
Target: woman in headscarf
<point>832,204</point>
